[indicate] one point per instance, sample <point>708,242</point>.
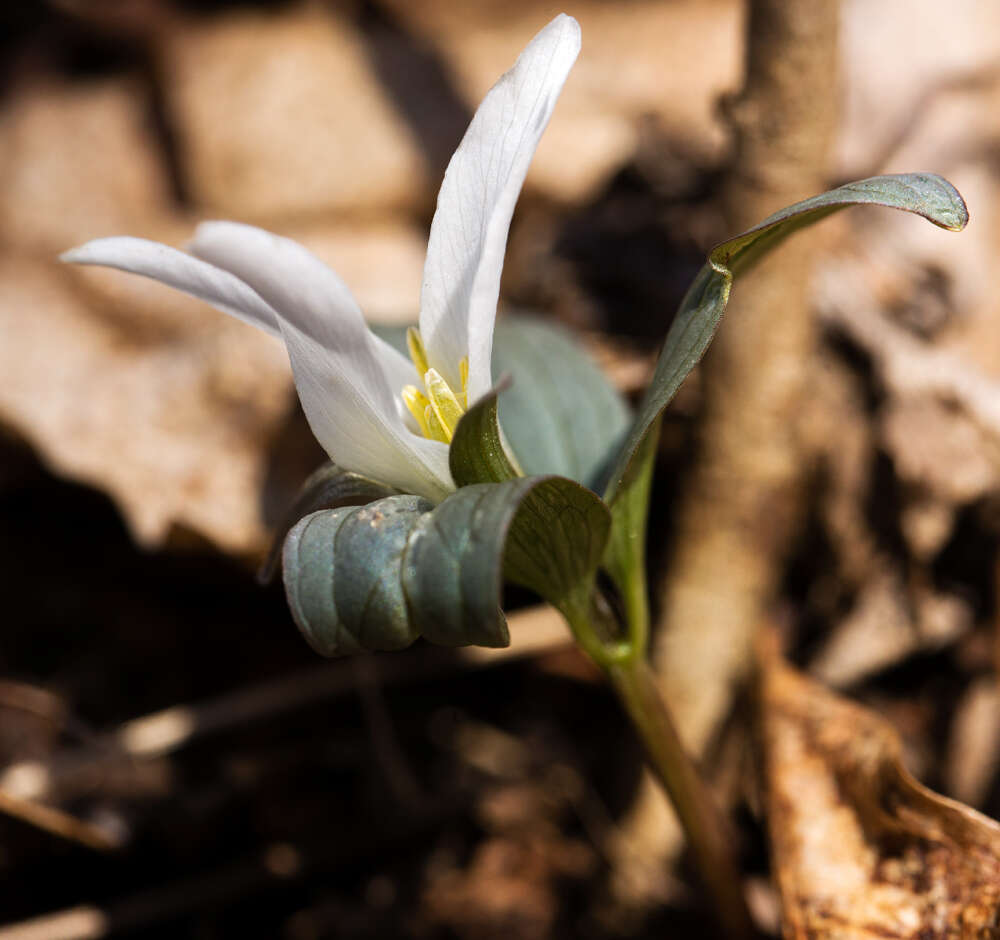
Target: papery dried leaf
<point>861,850</point>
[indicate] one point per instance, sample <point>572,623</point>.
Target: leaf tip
<point>961,219</point>
<point>937,200</point>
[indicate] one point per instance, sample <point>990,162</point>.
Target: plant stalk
<point>703,825</point>
<point>625,662</point>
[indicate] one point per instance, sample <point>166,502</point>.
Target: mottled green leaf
<point>694,326</point>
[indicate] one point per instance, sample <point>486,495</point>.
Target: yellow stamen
<point>417,352</point>
<point>463,369</point>
<point>434,430</point>
<point>444,402</point>
<point>439,410</point>
<point>417,402</point>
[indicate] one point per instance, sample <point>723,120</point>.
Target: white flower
<point>372,410</point>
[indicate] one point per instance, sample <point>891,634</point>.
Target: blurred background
<point>177,761</point>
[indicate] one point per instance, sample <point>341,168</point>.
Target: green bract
<point>368,568</point>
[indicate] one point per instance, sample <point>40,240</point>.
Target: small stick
<point>57,822</point>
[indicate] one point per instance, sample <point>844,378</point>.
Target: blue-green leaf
<point>546,533</point>
<point>454,573</point>
<point>694,326</point>
<point>560,415</point>
<point>379,576</point>
<point>327,488</point>
<point>342,575</point>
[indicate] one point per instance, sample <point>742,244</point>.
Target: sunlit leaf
<point>546,533</point>
<point>557,539</point>
<point>698,317</point>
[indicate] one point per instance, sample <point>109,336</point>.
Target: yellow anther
<point>434,430</point>
<point>463,369</point>
<point>417,352</point>
<point>438,411</point>
<point>416,401</point>
<point>444,402</point>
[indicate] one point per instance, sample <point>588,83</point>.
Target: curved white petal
<point>398,369</point>
<point>399,372</point>
<point>341,416</point>
<point>342,371</point>
<point>287,275</point>
<point>481,185</point>
<point>179,270</point>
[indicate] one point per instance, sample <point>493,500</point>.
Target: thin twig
<point>57,822</point>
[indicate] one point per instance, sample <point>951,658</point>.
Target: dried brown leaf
<point>281,114</point>
<point>623,80</point>
<point>861,849</point>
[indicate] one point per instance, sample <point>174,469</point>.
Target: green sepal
<point>477,453</point>
<point>326,488</point>
<point>694,326</point>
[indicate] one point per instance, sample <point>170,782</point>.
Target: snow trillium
<point>372,410</point>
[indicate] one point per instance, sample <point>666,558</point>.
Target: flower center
<point>436,409</point>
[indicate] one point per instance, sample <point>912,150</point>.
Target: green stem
<point>594,627</point>
<point>704,827</point>
<point>634,596</point>
<point>625,556</point>
<point>624,660</point>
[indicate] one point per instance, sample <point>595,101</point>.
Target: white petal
<point>342,371</point>
<point>399,372</point>
<point>481,185</point>
<point>177,269</point>
<point>354,434</point>
<point>398,369</point>
<point>287,275</point>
